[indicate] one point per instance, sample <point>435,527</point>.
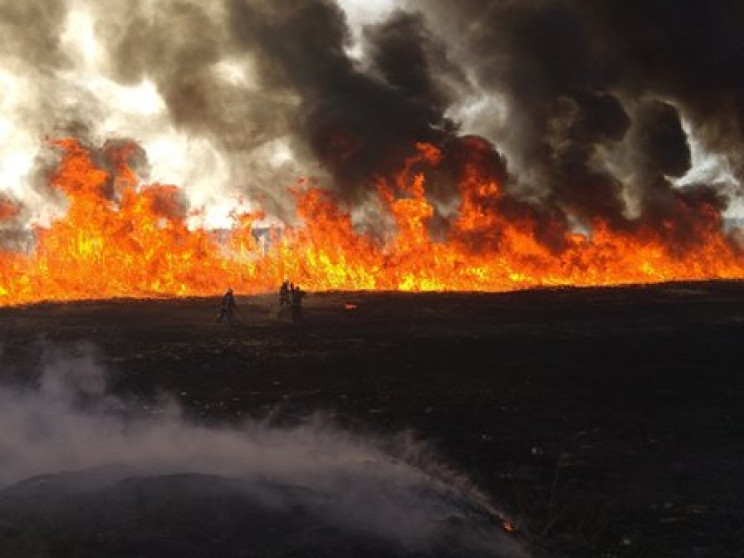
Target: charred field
<point>605,421</point>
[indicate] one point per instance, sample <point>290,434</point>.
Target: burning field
<point>519,225</point>
<point>180,148</point>
<point>121,238</point>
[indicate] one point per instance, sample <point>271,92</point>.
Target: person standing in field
<point>227,308</point>
<point>296,295</point>
<point>284,293</point>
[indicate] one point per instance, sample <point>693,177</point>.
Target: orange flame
<point>122,239</point>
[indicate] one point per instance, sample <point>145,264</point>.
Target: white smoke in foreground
<point>69,423</point>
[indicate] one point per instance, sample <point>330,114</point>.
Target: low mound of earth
<point>115,513</point>
<point>608,421</point>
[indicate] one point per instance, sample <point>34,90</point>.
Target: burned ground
<point>608,421</point>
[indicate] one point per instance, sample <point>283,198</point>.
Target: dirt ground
<point>608,421</point>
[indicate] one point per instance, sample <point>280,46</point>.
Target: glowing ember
<point>122,239</point>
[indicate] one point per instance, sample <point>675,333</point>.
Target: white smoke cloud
<point>70,90</point>
<point>70,423</point>
<point>360,13</point>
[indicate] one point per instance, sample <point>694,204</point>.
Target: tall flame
<point>122,239</point>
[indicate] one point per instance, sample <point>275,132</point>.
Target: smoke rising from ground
<point>69,422</point>
<point>592,106</point>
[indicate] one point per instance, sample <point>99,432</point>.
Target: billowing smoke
<point>631,112</point>
<point>599,100</point>
<point>394,491</point>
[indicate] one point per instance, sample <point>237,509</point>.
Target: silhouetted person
<point>296,294</point>
<point>227,308</point>
<point>284,293</point>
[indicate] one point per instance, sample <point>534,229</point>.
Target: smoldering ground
<point>80,464</point>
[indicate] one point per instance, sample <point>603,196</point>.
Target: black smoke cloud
<point>595,92</point>
<point>358,122</point>
<point>591,94</point>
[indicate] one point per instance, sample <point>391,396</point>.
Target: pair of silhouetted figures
<point>289,295</point>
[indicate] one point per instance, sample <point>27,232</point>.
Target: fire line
<point>132,240</point>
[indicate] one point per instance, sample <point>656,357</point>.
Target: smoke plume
<point>601,98</point>
<point>393,490</point>
<point>595,109</point>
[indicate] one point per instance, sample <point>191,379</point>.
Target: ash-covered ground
<point>603,422</point>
